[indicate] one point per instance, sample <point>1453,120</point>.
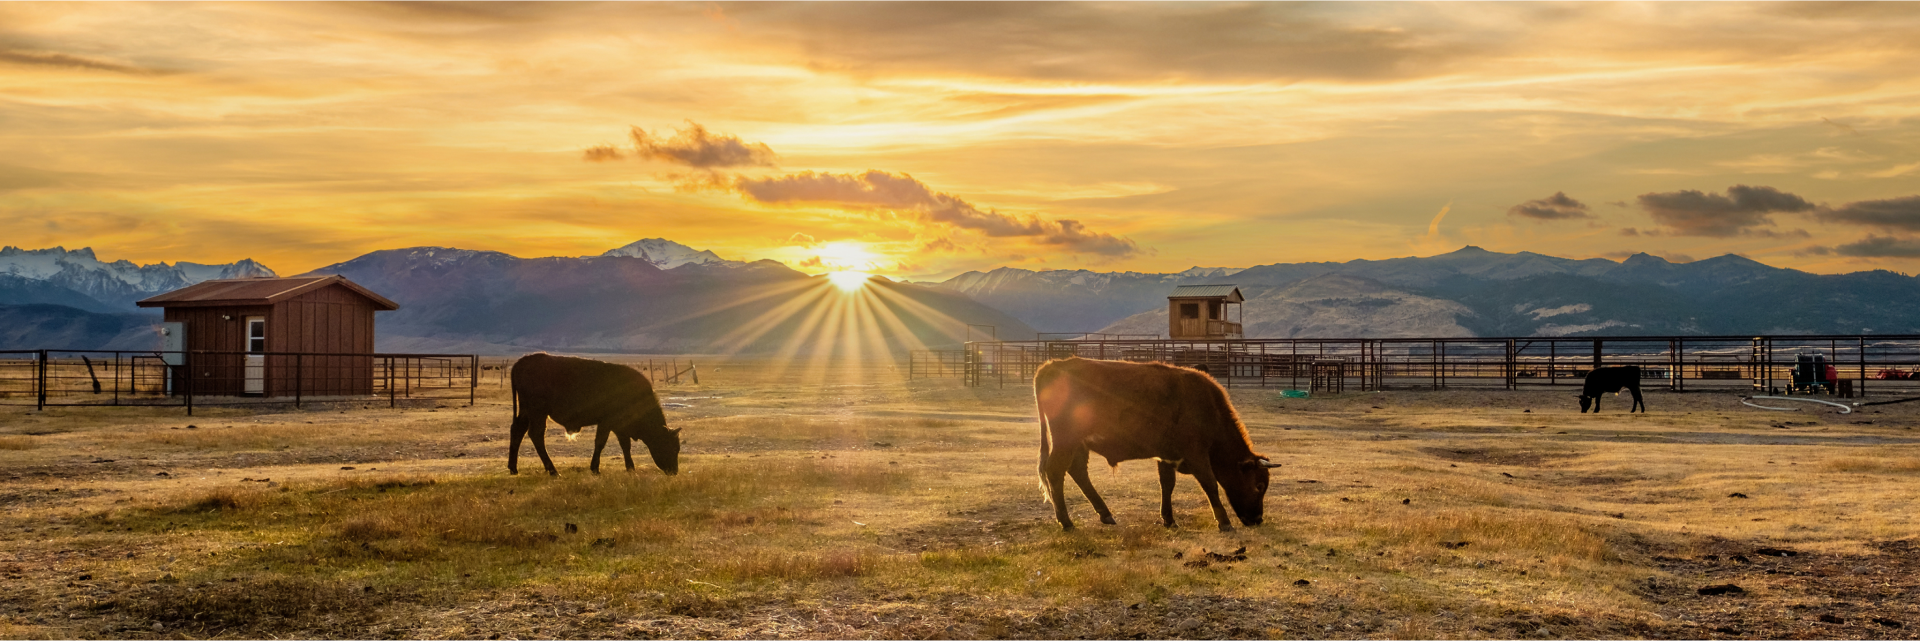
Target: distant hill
<point>1328,305</point>
<point>465,300</point>
<point>1522,294</point>
<point>63,327</point>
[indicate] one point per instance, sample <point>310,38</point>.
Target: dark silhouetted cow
<point>578,392</point>
<point>1610,380</point>
<point>1126,411</point>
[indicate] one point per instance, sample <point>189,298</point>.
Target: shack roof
<point>257,291</point>
<point>1229,292</point>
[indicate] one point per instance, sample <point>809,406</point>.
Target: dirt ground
<point>854,504</point>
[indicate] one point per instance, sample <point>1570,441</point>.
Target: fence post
<point>696,372</point>
<point>40,381</point>
<point>187,360</point>
<point>473,369</point>
<point>298,360</point>
<point>392,401</point>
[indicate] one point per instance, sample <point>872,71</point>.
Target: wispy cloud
<point>53,59</point>
<point>696,147</point>
<point>902,195</point>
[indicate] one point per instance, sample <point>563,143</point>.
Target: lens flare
<point>849,281</point>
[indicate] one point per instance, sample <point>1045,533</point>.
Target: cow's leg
<point>1168,474</point>
<point>538,431</point>
<point>1079,472</point>
<point>1053,472</point>
<point>518,431</point>
<point>1596,402</point>
<point>1210,485</point>
<point>599,443</point>
<point>1637,401</point>
<point>626,449</point>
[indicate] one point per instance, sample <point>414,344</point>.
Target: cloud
<point>1102,42</point>
<point>1892,213</point>
<point>902,194</point>
<point>696,147</point>
<point>812,262</point>
<point>1555,207</point>
<point>1692,213</point>
<point>1881,247</point>
<point>1816,250</point>
<point>602,153</point>
<point>1840,126</point>
<point>71,62</point>
<point>802,240</point>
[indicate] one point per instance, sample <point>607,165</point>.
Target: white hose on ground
<point>1743,401</point>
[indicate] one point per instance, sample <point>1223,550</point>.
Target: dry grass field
<point>853,504</point>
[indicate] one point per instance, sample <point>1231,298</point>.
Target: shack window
<point>256,335</point>
<point>1189,310</point>
<point>1213,310</point>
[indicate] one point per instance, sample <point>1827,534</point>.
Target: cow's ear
<point>676,430</point>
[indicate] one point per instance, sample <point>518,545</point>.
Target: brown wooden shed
<point>311,335</point>
<point>1202,312</point>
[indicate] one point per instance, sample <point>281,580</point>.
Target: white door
<point>256,355</point>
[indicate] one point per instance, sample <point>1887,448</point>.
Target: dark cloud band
<point>1555,207</point>
<point>1692,213</point>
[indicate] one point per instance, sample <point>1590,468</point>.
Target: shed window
<point>256,335</point>
<point>1189,310</point>
<point>1213,310</point>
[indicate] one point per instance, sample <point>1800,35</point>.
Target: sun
<point>847,255</point>
<point>849,281</point>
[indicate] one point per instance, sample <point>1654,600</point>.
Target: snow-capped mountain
<point>116,284</point>
<point>666,254</point>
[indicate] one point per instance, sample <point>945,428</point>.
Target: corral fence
<point>1678,363</point>
<point>53,378</point>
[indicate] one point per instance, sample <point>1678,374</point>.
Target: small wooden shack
<point>1204,312</point>
<point>308,335</point>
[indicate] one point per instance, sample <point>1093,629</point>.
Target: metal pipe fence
<point>1884,364</point>
<point>55,378</point>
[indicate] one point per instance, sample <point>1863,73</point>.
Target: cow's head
<point>1246,488</point>
<point>664,445</point>
<point>1585,402</point>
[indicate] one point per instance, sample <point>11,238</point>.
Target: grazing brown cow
<point>578,392</point>
<point>1126,411</point>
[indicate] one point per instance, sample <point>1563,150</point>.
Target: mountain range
<point>656,295</point>
<point>458,300</point>
<point>110,286</point>
<point>1493,294</point>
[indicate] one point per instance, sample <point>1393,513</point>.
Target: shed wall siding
<point>329,320</point>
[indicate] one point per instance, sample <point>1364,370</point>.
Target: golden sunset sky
<point>921,140</point>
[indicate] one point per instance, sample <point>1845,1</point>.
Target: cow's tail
<point>1046,450</point>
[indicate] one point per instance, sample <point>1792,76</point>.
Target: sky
<point>922,140</point>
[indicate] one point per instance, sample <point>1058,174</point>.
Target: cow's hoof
<point>513,472</point>
<point>1108,520</point>
<point>1066,527</point>
<point>1171,525</point>
<point>553,472</point>
<point>1226,528</point>
<point>594,470</point>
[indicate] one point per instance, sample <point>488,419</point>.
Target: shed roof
<point>1229,292</point>
<point>257,291</point>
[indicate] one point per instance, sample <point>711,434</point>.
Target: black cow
<point>1610,380</point>
<point>578,392</point>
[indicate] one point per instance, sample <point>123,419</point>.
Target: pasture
<point>849,503</point>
